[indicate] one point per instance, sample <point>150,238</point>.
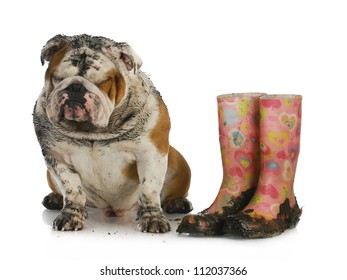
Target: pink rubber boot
<point>273,208</point>
<point>239,140</point>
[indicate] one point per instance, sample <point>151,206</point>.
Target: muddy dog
<point>104,134</point>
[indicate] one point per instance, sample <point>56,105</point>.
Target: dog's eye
<point>104,82</point>
<point>56,79</point>
<point>105,85</point>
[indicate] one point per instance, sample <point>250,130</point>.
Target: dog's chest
<point>104,172</point>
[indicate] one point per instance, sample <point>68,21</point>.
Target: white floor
<point>33,248</point>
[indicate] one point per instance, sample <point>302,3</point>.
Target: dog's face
<point>86,79</point>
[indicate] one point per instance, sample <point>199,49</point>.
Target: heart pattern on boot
<point>265,150</point>
<point>271,103</point>
<point>235,171</point>
<point>287,173</point>
<point>288,120</point>
<point>281,155</point>
<point>245,159</point>
<point>270,190</point>
<point>280,139</point>
<point>293,152</point>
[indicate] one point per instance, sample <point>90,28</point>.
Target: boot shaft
<point>280,127</point>
<point>238,116</point>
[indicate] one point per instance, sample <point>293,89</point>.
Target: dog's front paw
<point>152,219</point>
<point>70,219</point>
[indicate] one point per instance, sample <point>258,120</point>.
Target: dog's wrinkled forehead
<point>86,51</point>
<point>84,59</point>
<point>84,62</point>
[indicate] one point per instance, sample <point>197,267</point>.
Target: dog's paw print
<point>151,219</point>
<point>70,219</point>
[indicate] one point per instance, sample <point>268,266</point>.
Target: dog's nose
<point>76,93</point>
<point>76,88</point>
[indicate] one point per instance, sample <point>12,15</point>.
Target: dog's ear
<point>51,47</point>
<point>130,58</point>
<point>126,53</point>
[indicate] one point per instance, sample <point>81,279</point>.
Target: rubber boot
<point>273,208</point>
<point>238,116</point>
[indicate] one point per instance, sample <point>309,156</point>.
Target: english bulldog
<point>104,133</point>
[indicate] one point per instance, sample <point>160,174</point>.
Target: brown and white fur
<point>104,133</point>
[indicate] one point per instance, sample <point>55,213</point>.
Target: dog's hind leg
<point>54,200</point>
<point>177,182</point>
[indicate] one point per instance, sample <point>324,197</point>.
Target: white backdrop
<point>193,50</point>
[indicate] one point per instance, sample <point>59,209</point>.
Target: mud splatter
<point>245,226</point>
<point>212,224</point>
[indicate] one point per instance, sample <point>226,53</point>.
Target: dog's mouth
<point>79,104</point>
<point>74,116</point>
<point>73,104</point>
